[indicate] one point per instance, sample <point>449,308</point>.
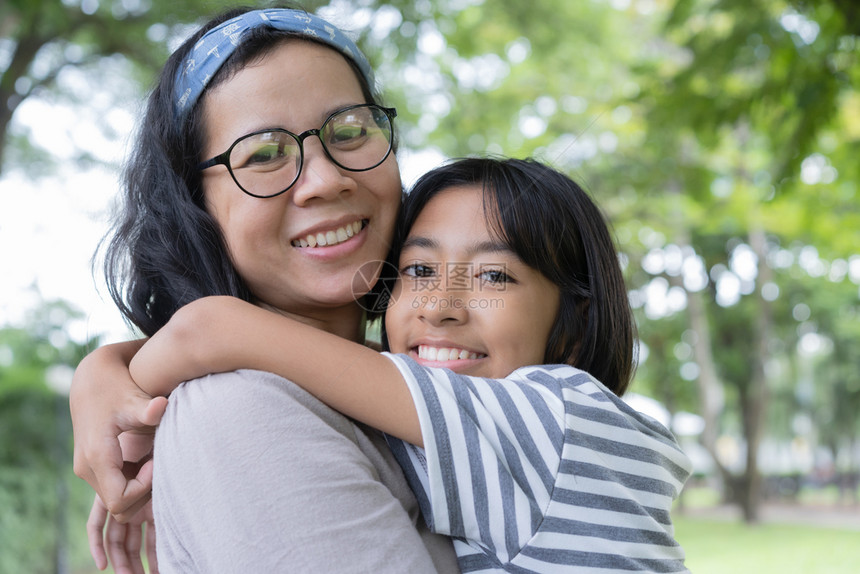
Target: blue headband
<point>215,47</point>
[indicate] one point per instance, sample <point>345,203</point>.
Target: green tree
<point>761,87</point>
<point>38,491</point>
<point>117,46</point>
<point>710,131</point>
<point>719,135</point>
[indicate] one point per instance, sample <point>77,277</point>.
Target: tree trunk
<point>710,387</point>
<point>754,395</point>
<point>5,117</point>
<point>28,44</point>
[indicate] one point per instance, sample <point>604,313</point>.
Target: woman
<point>258,173</point>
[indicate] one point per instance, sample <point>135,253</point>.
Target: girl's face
<point>464,300</point>
<point>296,87</point>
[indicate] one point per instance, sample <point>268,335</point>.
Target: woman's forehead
<point>214,48</point>
<point>295,85</point>
<point>293,61</point>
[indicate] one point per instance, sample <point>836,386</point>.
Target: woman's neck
<point>347,322</point>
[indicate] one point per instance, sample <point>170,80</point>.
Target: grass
<point>720,547</point>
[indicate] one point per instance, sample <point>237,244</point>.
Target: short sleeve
<point>492,450</point>
<point>252,474</point>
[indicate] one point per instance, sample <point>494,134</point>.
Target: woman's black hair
<point>555,228</point>
<point>165,250</point>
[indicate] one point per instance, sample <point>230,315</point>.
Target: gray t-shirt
<point>254,475</point>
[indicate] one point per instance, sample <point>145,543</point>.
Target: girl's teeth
<point>444,354</point>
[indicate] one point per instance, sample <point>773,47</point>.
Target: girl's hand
<point>105,403</point>
<point>122,542</point>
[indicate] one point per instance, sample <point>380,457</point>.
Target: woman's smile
<point>299,251</point>
<point>324,238</point>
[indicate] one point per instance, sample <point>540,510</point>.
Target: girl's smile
<point>454,356</point>
<point>464,300</point>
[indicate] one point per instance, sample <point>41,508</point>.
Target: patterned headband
<point>216,46</point>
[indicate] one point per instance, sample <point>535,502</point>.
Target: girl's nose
<point>446,304</point>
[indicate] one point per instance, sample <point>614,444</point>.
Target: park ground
<point>817,533</point>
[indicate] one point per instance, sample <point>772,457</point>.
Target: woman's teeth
<point>333,237</point>
<point>445,353</point>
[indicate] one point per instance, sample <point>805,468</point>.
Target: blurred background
<point>720,136</point>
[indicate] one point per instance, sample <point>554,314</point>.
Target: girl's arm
<point>218,334</point>
<point>113,421</point>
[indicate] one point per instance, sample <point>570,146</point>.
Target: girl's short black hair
<point>553,225</point>
<point>165,250</point>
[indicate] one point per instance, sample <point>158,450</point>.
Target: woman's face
<point>296,87</point>
<point>464,300</point>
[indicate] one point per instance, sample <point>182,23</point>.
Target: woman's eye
<point>266,151</point>
<point>418,270</point>
<point>264,154</point>
<point>347,133</point>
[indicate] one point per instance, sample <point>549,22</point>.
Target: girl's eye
<point>495,277</point>
<point>418,270</point>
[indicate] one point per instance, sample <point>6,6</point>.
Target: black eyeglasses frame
<point>224,158</point>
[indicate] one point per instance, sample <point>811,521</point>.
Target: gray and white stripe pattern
<point>543,471</point>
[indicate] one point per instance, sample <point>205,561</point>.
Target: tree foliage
<point>720,136</point>
<point>37,488</point>
<point>43,42</point>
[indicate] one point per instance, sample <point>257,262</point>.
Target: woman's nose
<point>320,177</point>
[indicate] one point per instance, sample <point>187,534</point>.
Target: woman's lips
<point>332,236</point>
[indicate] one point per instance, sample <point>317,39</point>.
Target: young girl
<point>513,342</point>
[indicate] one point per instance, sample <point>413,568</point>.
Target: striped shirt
<point>542,471</point>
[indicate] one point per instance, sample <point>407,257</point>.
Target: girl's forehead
<point>456,197</point>
<point>454,215</point>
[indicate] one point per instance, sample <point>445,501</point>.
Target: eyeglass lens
<point>268,163</point>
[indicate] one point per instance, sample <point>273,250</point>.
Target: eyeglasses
<point>268,162</point>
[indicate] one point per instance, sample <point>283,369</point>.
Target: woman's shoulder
<point>249,397</point>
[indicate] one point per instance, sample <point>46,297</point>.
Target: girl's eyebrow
<point>474,249</point>
<point>418,241</point>
<point>490,247</point>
